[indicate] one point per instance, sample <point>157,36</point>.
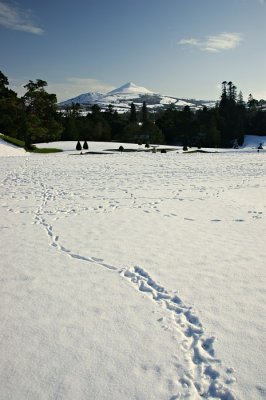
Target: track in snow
<point>205,376</point>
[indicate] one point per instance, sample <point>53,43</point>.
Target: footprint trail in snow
<point>103,192</point>
<point>205,376</point>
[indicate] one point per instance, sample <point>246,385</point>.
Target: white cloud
<point>12,17</point>
<point>72,87</point>
<point>216,43</point>
<point>67,89</point>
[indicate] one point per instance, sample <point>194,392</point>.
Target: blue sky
<point>183,48</point>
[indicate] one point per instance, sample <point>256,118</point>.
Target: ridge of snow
<point>84,98</point>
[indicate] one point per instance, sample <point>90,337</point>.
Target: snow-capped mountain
<point>86,98</point>
<point>130,88</point>
<point>123,96</point>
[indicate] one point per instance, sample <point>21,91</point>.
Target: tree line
<point>35,117</point>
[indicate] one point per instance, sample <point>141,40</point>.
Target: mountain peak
<point>123,96</point>
<point>129,88</point>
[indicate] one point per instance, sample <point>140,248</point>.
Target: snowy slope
<point>130,88</point>
<point>122,97</point>
<point>86,98</point>
<point>133,276</point>
<point>8,149</point>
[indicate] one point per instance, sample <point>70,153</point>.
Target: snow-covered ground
<point>133,275</point>
<point>8,149</point>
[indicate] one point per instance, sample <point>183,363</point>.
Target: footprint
<point>207,345</point>
<point>192,319</point>
<point>211,372</point>
<point>199,350</point>
<point>80,257</point>
<point>96,259</point>
<point>62,248</point>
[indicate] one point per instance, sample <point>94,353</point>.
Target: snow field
<point>9,150</point>
<point>123,270</point>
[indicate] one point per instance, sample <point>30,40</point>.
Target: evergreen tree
<point>42,122</point>
<point>70,131</point>
<point>229,123</point>
<point>262,104</point>
<point>145,115</point>
<point>213,134</point>
<point>101,131</point>
<point>96,112</point>
<point>12,114</point>
<point>231,96</point>
<point>252,103</point>
<point>115,121</point>
<point>133,113</point>
<point>151,133</point>
<point>100,128</point>
<point>188,126</point>
<point>131,133</point>
<point>224,98</point>
<point>257,123</point>
<point>169,122</point>
<point>78,146</point>
<point>240,100</point>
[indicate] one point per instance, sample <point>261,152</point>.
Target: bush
<point>121,149</point>
<point>30,148</point>
<point>45,150</point>
<point>78,146</point>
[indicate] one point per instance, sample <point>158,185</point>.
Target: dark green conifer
<point>133,113</point>
<point>78,146</point>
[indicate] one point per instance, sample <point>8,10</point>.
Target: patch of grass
<point>198,151</point>
<point>124,151</point>
<point>21,143</point>
<point>45,150</point>
<point>14,141</point>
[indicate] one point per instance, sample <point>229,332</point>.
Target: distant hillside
<point>123,96</point>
